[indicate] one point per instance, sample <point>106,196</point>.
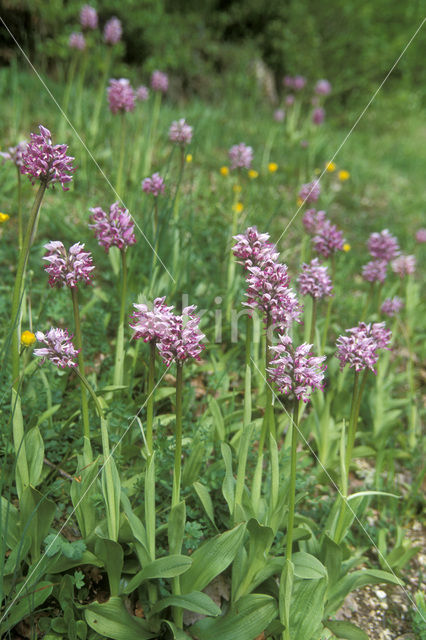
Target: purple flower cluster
<point>375,271</point>
<point>41,160</point>
<point>180,132</point>
<point>404,265</point>
<point>297,82</point>
<point>182,338</point>
<point>113,31</point>
<point>318,115</point>
<point>392,306</point>
<point>421,236</point>
<point>151,323</point>
<point>268,290</point>
<point>121,96</point>
<point>289,100</point>
<point>67,269</point>
<point>88,17</point>
<point>113,229</point>
<point>296,369</point>
<point>252,247</point>
<point>154,185</point>
<point>142,93</point>
<point>177,338</point>
<point>383,246</point>
<point>313,220</point>
<point>14,154</point>
<point>279,115</point>
<point>159,81</point>
<point>241,156</point>
<point>59,348</point>
<point>322,88</point>
<point>77,41</point>
<point>360,348</point>
<point>310,191</point>
<point>314,280</point>
<point>328,239</point>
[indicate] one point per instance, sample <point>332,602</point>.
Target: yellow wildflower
<point>27,338</point>
<point>344,175</point>
<point>238,207</point>
<point>237,188</point>
<point>188,157</point>
<point>224,171</point>
<point>299,202</point>
<point>4,217</point>
<point>272,167</point>
<point>330,166</point>
<point>346,247</point>
<point>253,174</point>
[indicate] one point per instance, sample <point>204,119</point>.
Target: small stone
<point>381,594</point>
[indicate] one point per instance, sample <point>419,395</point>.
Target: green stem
<point>67,95</point>
<point>178,435</point>
<point>292,497</point>
<point>150,400</point>
<point>19,284</point>
<point>119,350</point>
<point>268,425</point>
<point>367,301</point>
<point>330,304</point>
<point>80,86</point>
<point>100,97</point>
<point>313,321</point>
<point>249,337</point>
<point>19,209</point>
<point>79,344</point>
<point>122,149</point>
<point>152,132</point>
<point>231,263</point>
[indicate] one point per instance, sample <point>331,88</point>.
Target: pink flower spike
<point>154,185</point>
<point>113,31</point>
<point>77,41</point>
<point>383,246</point>
<point>310,191</point>
<point>252,248</point>
<point>142,93</point>
<point>420,235</point>
<point>121,96</point>
<point>314,280</point>
<point>41,160</point>
<point>88,17</point>
<point>159,81</point>
<point>182,338</point>
<point>296,369</point>
<point>113,229</point>
<point>322,88</point>
<point>318,116</point>
<point>404,265</point>
<point>313,220</point>
<point>392,306</point>
<point>67,269</point>
<point>375,271</point>
<point>180,132</point>
<point>14,154</point>
<point>59,348</point>
<point>241,156</point>
<point>328,239</point>
<point>359,349</point>
<point>151,323</point>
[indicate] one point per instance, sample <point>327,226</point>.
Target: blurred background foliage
<point>202,44</point>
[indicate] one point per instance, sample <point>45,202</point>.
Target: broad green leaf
<point>176,527</point>
<point>307,608</point>
<point>353,581</point>
<point>83,488</point>
<point>37,513</point>
<point>346,630</point>
<point>111,554</point>
<point>16,556</point>
<point>218,418</point>
<point>111,619</point>
<point>246,619</point>
<point>286,590</point>
<point>59,564</point>
<point>193,464</point>
<point>307,566</point>
<point>257,486</point>
<point>9,519</point>
<point>111,494</point>
<point>213,557</point>
<point>206,501</point>
<point>196,601</point>
<point>228,485</point>
<point>168,567</point>
<point>47,414</point>
<point>331,554</point>
<point>178,634</point>
<point>260,541</point>
<point>27,601</point>
<point>138,530</point>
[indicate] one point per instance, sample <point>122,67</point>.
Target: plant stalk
<point>83,385</point>
<point>178,435</point>
<point>292,497</point>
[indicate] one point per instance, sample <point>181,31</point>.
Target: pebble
<point>381,594</point>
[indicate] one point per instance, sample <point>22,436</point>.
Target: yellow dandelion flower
<point>224,171</point>
<point>343,175</point>
<point>253,174</point>
<point>238,207</point>
<point>237,188</point>
<point>4,217</point>
<point>299,202</point>
<point>188,157</point>
<point>272,167</point>
<point>346,247</point>
<point>27,338</point>
<point>330,167</point>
